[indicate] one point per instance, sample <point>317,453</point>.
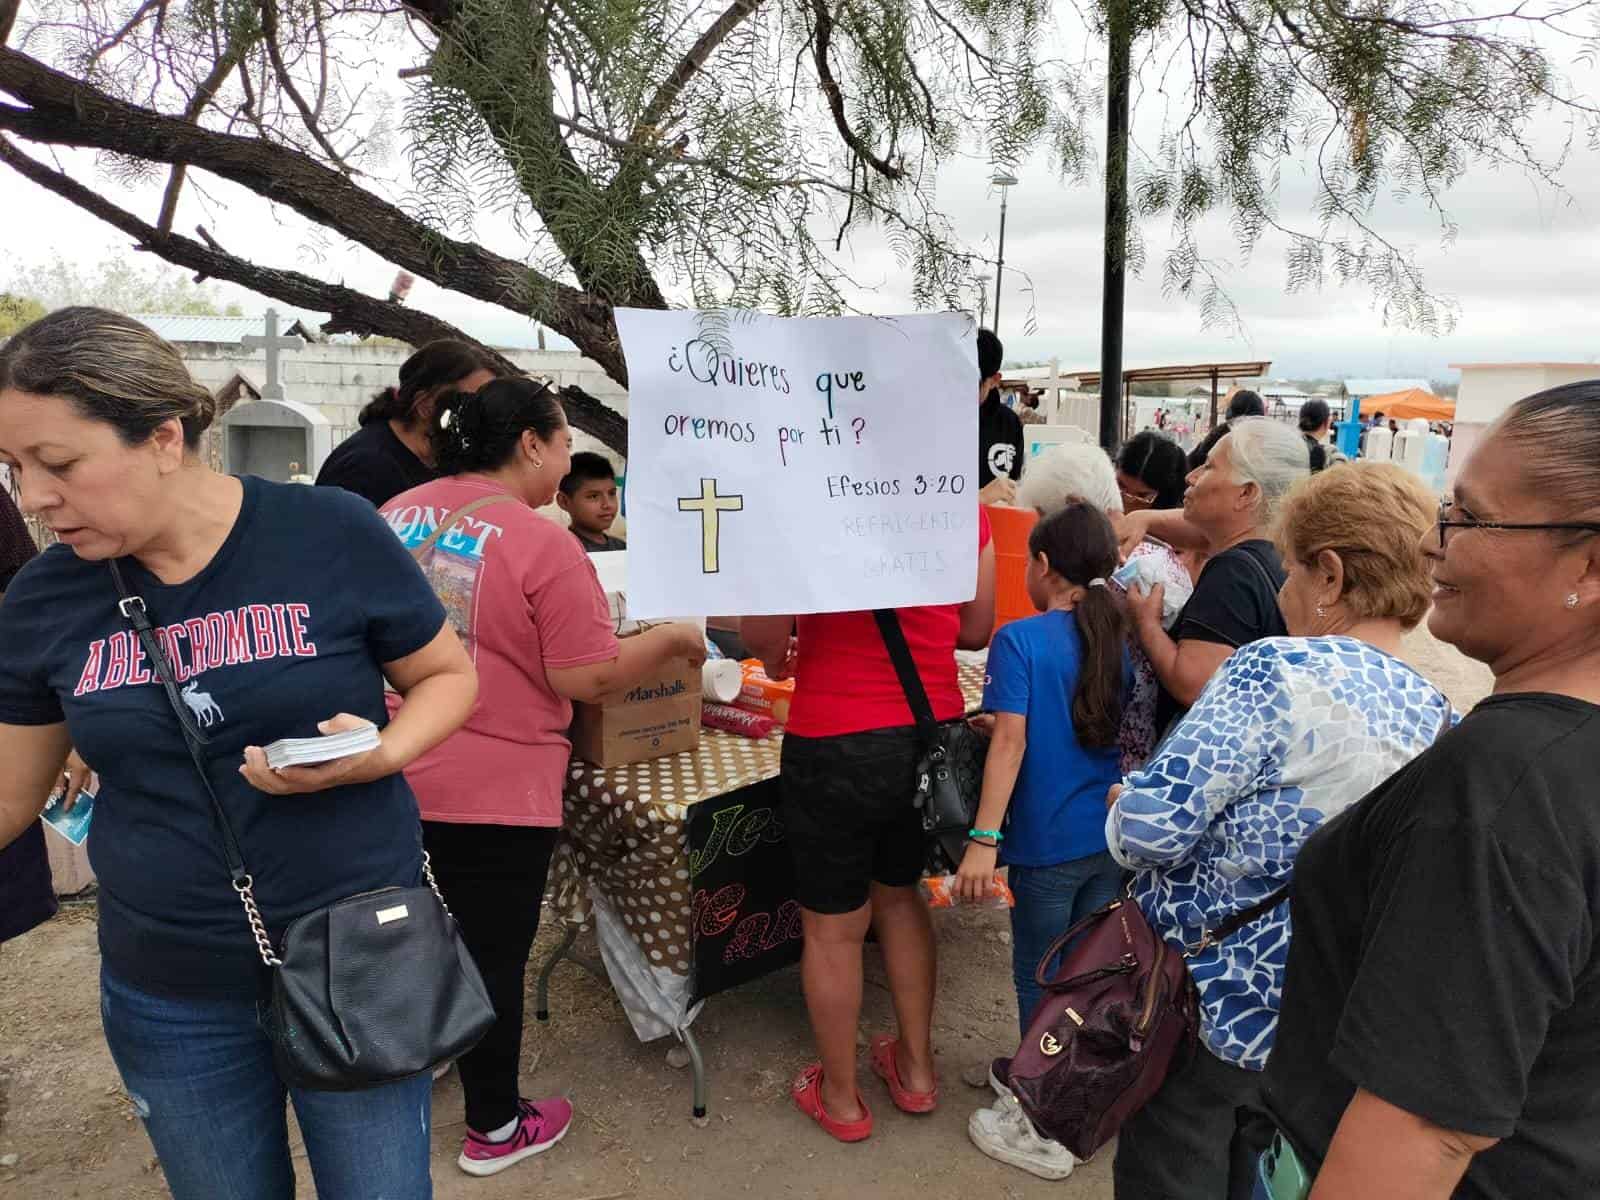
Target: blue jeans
<point>1049,901</point>
<point>200,1074</point>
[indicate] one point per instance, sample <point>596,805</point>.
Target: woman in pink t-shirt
<point>526,603</point>
<point>848,777</point>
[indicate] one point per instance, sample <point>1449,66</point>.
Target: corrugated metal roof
<point>179,327</point>
<point>1382,387</point>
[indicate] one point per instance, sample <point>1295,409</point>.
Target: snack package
<point>763,695</point>
<point>940,892</point>
<point>1144,573</point>
<point>736,720</point>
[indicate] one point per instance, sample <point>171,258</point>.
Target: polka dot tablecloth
<point>627,832</point>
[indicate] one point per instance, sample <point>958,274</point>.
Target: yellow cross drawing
<point>710,506</point>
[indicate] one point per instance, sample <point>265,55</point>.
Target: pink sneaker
<point>542,1125</point>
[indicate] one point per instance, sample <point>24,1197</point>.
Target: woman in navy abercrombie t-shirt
<point>283,609</point>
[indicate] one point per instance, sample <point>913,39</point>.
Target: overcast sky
<point>1525,268</point>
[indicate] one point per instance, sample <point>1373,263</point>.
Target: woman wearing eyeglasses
<point>1152,472</point>
<point>1438,1035</point>
<point>523,596</point>
<point>1289,732</point>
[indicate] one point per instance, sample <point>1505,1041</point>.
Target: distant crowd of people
<point>1212,702</point>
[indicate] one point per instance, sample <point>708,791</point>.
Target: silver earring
<point>1572,600</point>
<point>1321,612</point>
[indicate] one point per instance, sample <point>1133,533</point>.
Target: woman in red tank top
<point>849,773</point>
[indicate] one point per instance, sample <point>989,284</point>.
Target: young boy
<point>589,496</point>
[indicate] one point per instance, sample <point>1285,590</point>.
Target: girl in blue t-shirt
<point>1056,684</point>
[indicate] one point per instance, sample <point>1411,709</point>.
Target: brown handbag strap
<point>1049,956</point>
<point>466,510</point>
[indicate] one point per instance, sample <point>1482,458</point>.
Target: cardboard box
<point>658,716</point>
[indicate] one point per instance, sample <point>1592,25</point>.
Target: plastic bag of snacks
<point>764,695</point>
<point>940,892</point>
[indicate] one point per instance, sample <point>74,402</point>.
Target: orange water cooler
<point>1011,527</point>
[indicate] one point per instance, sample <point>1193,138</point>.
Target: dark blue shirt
<point>285,627</point>
<point>1058,806</point>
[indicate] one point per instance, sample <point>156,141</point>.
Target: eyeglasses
<point>1445,506</point>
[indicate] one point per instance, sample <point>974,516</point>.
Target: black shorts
<point>847,806</point>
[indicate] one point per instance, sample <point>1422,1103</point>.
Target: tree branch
<point>689,65</point>
<point>519,113</point>
<point>65,111</point>
<point>348,311</point>
<point>269,35</point>
<point>203,95</point>
<point>830,89</point>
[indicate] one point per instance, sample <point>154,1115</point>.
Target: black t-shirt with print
<point>1443,956</point>
<point>373,462</point>
<point>286,626</point>
<point>999,441</point>
<point>1235,602</point>
<point>605,545</point>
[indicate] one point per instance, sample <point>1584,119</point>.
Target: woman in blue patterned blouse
<point>1288,733</point>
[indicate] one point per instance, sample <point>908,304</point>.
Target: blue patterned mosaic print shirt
<point>1288,733</point>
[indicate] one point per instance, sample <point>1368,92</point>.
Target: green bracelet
<point>987,833</point>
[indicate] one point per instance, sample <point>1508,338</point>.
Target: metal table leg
<point>698,1064</point>
<point>563,952</point>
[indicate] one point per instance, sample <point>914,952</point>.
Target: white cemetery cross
<point>272,344</point>
<point>786,465</point>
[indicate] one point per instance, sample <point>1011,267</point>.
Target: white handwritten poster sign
<point>788,465</point>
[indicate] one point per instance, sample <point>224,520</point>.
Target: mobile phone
<point>1280,1175</point>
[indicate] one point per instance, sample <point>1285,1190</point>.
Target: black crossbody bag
<point>950,761</point>
<point>370,989</point>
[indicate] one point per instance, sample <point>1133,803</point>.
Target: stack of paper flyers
<point>298,752</point>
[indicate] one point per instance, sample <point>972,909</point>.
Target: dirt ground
<point>67,1131</point>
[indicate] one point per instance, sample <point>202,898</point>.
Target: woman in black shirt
<point>1440,1029</point>
<point>1230,504</point>
<point>391,452</point>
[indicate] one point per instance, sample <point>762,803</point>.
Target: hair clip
<point>1097,582</point>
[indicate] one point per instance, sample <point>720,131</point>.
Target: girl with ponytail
<point>1056,685</point>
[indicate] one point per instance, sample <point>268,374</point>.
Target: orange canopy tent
<point>1413,402</point>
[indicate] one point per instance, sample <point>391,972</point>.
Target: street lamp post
<point>1004,181</point>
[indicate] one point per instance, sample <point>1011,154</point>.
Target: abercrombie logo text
<point>251,633</point>
<point>662,691</point>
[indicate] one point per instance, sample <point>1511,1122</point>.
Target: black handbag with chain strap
<point>370,989</point>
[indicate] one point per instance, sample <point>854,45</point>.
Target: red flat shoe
<point>888,1070</point>
<point>807,1093</point>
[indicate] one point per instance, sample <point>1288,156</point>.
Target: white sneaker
<point>1005,1134</point>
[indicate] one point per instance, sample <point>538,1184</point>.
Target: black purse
<point>950,766</point>
<point>370,989</point>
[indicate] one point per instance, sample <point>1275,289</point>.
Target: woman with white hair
<point>1084,472</point>
<point>1066,473</point>
<point>1231,501</point>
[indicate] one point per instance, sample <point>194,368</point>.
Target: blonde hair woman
<point>283,611</point>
